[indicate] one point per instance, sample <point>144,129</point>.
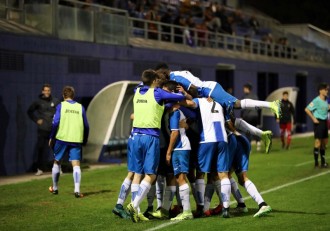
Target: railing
<point>100,24</point>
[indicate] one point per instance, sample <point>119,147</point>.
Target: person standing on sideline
<point>286,119</point>
<point>317,110</point>
<point>251,116</point>
<point>41,112</point>
<point>69,131</point>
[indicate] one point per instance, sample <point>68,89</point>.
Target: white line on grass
<point>307,162</point>
<point>247,198</point>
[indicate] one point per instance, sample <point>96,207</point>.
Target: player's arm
<point>173,137</point>
<point>86,126</point>
<point>55,124</point>
<point>189,103</point>
<point>310,114</point>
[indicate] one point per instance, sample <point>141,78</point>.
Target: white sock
<point>134,190</point>
<point>160,183</point>
<point>235,191</point>
<point>55,175</point>
<point>200,191</point>
<point>151,195</point>
<point>124,190</point>
<point>253,191</point>
<point>209,190</point>
<point>76,178</point>
<point>247,128</point>
<point>142,193</point>
<point>254,104</point>
<point>225,192</point>
<point>184,195</point>
<point>217,187</point>
<point>168,197</point>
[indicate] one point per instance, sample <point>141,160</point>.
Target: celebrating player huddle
<point>166,106</point>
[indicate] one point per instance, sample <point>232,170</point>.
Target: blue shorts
<point>180,161</point>
<point>145,157</point>
<point>129,154</point>
<point>222,97</point>
<point>241,159</point>
<point>62,148</point>
<point>213,157</point>
<point>232,144</point>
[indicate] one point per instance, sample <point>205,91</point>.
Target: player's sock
<point>55,175</point>
<point>193,191</point>
<point>209,191</point>
<point>134,190</point>
<point>254,104</point>
<point>168,197</point>
<point>247,128</point>
<point>160,190</point>
<point>225,192</point>
<point>177,195</point>
<point>316,156</point>
<point>200,191</point>
<point>142,193</point>
<point>322,154</point>
<point>288,139</point>
<point>262,204</point>
<point>76,178</point>
<point>235,191</point>
<point>151,195</point>
<point>184,195</point>
<point>217,187</point>
<point>124,190</point>
<point>253,191</point>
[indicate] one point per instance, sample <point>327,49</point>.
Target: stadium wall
<point>27,62</point>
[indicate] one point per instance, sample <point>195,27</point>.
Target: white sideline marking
<point>247,198</point>
<point>307,162</point>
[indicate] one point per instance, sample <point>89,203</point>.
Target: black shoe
<point>52,191</point>
<point>225,213</point>
<point>78,195</point>
<point>325,165</point>
<point>147,214</point>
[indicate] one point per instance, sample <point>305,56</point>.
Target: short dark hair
<point>285,93</point>
<point>161,66</point>
<point>68,92</point>
<point>248,86</point>
<point>171,85</point>
<point>148,76</point>
<point>322,86</point>
<point>46,85</point>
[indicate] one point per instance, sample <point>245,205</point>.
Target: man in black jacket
<point>287,112</point>
<point>41,112</point>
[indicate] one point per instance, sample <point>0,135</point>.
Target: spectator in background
<point>166,30</point>
<point>286,119</point>
<point>178,32</point>
<point>254,24</point>
<point>41,112</point>
<point>251,116</point>
<point>152,15</point>
<point>202,34</point>
<point>317,110</point>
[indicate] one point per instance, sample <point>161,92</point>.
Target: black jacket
<point>43,108</point>
<point>286,111</point>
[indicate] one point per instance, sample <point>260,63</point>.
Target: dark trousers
<point>42,149</point>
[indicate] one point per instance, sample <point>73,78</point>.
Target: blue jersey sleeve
<point>181,80</point>
<point>196,101</point>
<point>86,125</point>
<point>56,121</point>
<point>189,113</point>
<point>162,95</point>
<point>174,120</point>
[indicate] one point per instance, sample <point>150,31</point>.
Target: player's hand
<point>183,124</point>
<point>277,120</point>
<point>51,143</point>
<point>180,89</point>
<point>316,121</point>
<point>209,99</point>
<point>168,158</point>
<point>40,121</point>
